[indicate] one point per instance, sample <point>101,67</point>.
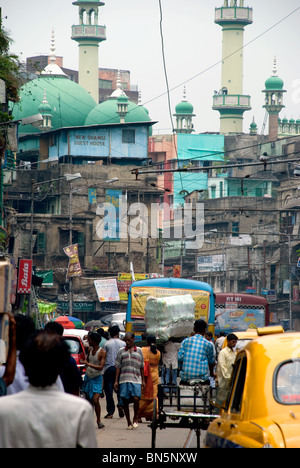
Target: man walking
<point>130,377</point>
<point>111,348</point>
<point>196,355</point>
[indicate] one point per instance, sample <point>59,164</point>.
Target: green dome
<point>106,113</point>
<point>274,83</point>
<point>69,102</point>
<point>184,107</point>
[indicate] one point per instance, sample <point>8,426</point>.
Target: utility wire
<point>167,82</point>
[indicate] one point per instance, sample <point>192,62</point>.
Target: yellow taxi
<point>263,406</point>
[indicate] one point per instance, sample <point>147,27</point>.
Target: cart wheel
<point>154,424</point>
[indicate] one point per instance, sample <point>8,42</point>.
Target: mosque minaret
<point>230,101</point>
<point>89,34</point>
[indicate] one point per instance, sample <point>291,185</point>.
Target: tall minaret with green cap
<point>89,34</point>
<point>230,101</point>
<point>273,101</point>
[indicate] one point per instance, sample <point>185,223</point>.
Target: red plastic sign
<point>25,274</point>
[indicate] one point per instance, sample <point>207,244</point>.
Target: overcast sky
<point>192,44</point>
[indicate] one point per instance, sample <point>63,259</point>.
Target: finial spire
<point>52,49</point>
<point>274,67</point>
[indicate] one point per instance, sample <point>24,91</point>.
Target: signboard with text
<point>25,275</point>
<point>107,290</point>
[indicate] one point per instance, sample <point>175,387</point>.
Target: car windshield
<point>74,346</point>
<point>287,383</point>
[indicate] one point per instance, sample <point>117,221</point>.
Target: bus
<point>139,291</point>
<point>235,312</point>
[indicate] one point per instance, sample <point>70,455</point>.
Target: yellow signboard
<point>140,294</point>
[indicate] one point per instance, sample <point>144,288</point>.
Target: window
<point>77,238</point>
<point>40,243</point>
<point>287,383</point>
<point>105,84</point>
<point>160,167</point>
<point>235,229</point>
<point>128,136</point>
<point>238,384</point>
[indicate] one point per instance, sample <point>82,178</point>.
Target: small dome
<point>274,83</point>
<point>44,107</point>
<point>184,107</point>
<point>292,121</point>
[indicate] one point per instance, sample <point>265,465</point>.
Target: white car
<point>75,332</point>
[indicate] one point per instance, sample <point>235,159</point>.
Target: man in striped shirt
<point>130,377</point>
<point>196,355</point>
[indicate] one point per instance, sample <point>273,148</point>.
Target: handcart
<point>188,405</point>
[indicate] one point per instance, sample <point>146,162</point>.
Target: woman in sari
<point>149,394</point>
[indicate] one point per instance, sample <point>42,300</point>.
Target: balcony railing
<point>234,14</point>
<point>85,31</point>
<point>238,101</point>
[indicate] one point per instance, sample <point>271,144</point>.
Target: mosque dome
<point>274,83</point>
<point>184,107</point>
<point>107,112</point>
<point>68,102</point>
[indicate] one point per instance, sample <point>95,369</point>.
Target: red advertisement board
<point>25,274</point>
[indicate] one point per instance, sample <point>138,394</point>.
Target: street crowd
<point>41,388</point>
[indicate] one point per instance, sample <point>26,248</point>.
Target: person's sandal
<point>100,425</point>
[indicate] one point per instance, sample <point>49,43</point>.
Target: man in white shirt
<point>225,367</point>
<point>41,416</point>
<point>111,348</point>
<point>170,364</point>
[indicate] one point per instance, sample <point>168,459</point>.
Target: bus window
<point>240,312</point>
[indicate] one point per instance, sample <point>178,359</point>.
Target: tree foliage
<point>10,68</point>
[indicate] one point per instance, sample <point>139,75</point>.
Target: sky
<point>192,45</point>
